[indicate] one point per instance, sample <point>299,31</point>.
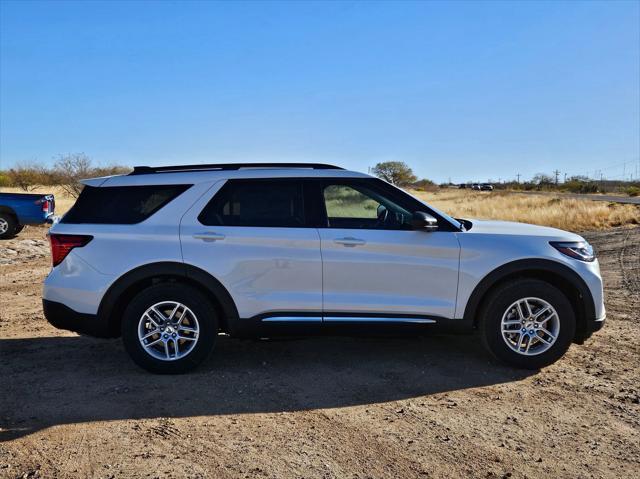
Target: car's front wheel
<point>169,328</point>
<point>527,323</point>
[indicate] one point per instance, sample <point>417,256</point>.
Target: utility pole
<point>565,178</point>
<point>518,176</point>
<point>556,172</point>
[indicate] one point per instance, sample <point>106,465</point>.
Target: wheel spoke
<point>166,349</point>
<point>548,333</point>
<point>173,313</point>
<point>541,312</point>
<point>545,320</point>
<point>521,314</point>
<point>153,342</point>
<point>187,329</point>
<point>153,321</point>
<point>528,344</point>
<point>520,341</point>
<point>148,335</point>
<point>511,323</point>
<point>161,316</point>
<point>188,338</point>
<point>179,321</point>
<point>175,347</point>
<point>542,339</point>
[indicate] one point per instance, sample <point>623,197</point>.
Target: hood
<point>521,229</point>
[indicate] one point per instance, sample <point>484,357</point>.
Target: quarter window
<point>266,203</point>
<point>125,205</point>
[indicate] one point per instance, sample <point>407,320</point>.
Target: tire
<point>18,229</point>
<point>505,309</point>
<point>8,226</point>
<point>196,313</point>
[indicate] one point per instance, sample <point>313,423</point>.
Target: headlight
<point>579,250</point>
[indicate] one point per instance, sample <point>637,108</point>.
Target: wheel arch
<point>560,276</point>
<point>119,294</point>
<point>9,211</point>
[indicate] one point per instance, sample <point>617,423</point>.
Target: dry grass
<point>565,213</point>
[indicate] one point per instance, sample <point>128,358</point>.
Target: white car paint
<point>302,269</point>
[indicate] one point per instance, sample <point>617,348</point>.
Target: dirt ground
<point>73,406</point>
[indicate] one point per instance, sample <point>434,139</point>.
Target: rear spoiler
<point>96,181</point>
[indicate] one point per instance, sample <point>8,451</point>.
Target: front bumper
<point>63,317</point>
<point>590,327</point>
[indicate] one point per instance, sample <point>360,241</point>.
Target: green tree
<point>395,172</point>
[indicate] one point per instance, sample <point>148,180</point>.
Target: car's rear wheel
<point>527,323</point>
<point>169,328</point>
<point>7,226</point>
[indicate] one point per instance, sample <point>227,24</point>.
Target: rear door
<point>375,265</point>
<point>253,236</point>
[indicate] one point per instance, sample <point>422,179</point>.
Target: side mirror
<point>424,221</point>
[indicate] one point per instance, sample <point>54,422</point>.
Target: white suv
<point>170,257</point>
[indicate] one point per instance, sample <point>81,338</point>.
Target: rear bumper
<point>63,317</point>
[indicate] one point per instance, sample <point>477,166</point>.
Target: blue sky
<point>460,90</point>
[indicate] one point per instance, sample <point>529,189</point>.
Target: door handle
<point>208,236</point>
<point>350,242</point>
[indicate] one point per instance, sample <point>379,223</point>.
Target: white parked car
<point>170,257</point>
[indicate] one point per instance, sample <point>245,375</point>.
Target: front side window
<point>266,203</point>
<point>359,207</point>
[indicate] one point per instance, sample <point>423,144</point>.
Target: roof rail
<point>145,170</point>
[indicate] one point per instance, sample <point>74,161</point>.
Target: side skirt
<point>289,323</point>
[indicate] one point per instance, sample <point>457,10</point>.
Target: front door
<point>376,267</point>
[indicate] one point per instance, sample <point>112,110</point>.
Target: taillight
<point>45,206</point>
<point>61,245</point>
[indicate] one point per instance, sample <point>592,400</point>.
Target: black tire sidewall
<point>194,300</point>
<point>11,230</point>
<point>505,296</point>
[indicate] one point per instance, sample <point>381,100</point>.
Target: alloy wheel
<point>530,326</point>
<point>168,331</point>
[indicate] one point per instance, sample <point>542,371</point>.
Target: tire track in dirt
<point>629,260</point>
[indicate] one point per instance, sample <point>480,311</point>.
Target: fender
<point>532,267</point>
<point>111,306</point>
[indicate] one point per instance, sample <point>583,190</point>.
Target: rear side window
<point>267,203</point>
<point>123,205</point>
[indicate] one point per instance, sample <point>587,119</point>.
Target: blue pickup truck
<point>20,209</point>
